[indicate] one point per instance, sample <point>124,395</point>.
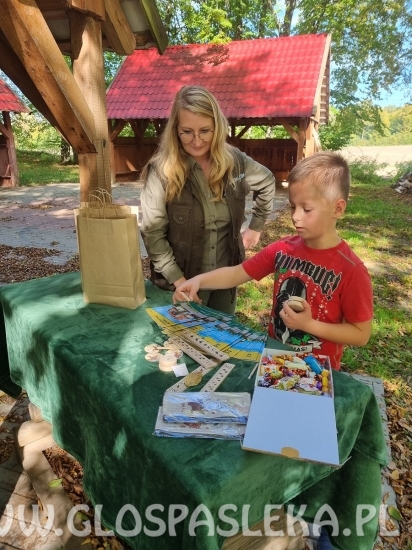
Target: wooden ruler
<point>202,344</point>
<point>213,383</point>
<point>218,378</point>
<point>192,352</point>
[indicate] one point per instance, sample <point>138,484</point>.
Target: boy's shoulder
<point>347,254</point>
<point>286,244</point>
<point>283,242</point>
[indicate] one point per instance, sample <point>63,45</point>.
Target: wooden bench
<point>5,181</point>
<point>6,176</point>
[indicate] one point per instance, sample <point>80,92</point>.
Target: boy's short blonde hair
<point>327,171</point>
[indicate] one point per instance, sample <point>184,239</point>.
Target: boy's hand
<point>296,321</point>
<point>187,292</point>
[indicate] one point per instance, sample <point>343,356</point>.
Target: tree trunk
<point>287,20</point>
<point>65,157</point>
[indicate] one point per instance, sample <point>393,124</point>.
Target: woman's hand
<point>250,238</point>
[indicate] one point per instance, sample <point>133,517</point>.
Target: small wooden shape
<point>295,303</point>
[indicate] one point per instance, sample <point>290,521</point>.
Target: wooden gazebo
<point>33,37</point>
<point>9,103</point>
<point>263,82</point>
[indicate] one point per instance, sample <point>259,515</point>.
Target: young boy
<point>316,266</point>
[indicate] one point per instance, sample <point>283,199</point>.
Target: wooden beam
<point>117,29</point>
<point>3,129</point>
<point>155,24</point>
<point>138,127</point>
<point>309,140</point>
<point>52,5</point>
<point>290,130</point>
<point>322,71</point>
<point>11,150</point>
<point>88,71</point>
<point>301,140</point>
<point>93,8</point>
<point>14,69</point>
<point>243,131</point>
<point>29,36</point>
<point>316,138</point>
<point>116,129</point>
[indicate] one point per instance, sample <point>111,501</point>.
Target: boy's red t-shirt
<point>334,281</point>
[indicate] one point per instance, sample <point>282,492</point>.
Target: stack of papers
<point>197,429</point>
<point>215,415</point>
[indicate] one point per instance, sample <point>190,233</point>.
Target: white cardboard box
<point>292,424</point>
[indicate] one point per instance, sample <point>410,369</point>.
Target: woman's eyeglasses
<point>187,136</point>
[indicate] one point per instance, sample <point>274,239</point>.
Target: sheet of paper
<point>180,369</point>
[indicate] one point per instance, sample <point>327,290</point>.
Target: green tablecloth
<point>84,366</point>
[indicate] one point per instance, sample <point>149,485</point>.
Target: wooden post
<point>88,71</point>
<point>114,129</point>
<point>11,150</point>
<point>112,154</point>
<point>301,140</point>
<point>310,142</point>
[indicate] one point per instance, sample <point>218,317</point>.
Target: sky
<point>394,98</point>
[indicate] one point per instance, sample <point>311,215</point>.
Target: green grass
<point>40,168</point>
<point>378,227</point>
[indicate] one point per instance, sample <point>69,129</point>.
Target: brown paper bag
<point>110,261</point>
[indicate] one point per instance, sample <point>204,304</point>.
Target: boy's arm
<point>225,277</point>
<point>350,334</point>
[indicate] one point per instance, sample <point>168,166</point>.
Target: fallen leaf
<point>405,425</point>
<point>55,482</point>
<point>394,512</point>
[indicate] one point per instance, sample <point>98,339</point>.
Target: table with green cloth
<point>84,366</point>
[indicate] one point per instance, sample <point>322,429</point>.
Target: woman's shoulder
<point>153,183</point>
<point>236,153</point>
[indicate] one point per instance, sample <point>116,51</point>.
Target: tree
<point>367,44</point>
<point>112,62</point>
<point>371,40</point>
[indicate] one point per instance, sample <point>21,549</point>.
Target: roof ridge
<point>211,44</point>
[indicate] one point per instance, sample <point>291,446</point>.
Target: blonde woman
<point>193,201</point>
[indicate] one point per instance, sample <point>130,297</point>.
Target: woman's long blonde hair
<point>171,160</point>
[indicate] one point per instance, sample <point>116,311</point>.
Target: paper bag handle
<point>104,198</point>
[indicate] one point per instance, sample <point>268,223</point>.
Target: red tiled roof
<point>268,77</point>
<point>9,101</point>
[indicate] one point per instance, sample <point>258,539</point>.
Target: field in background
<point>388,155</point>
